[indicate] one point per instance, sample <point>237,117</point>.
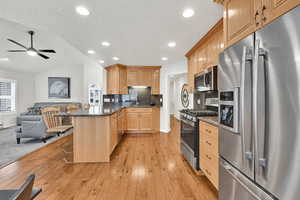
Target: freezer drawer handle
<point>229,169</point>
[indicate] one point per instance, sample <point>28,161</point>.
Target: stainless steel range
<point>190,134</point>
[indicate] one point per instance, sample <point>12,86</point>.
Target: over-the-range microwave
<point>207,80</point>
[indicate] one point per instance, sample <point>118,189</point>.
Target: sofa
<point>31,124</point>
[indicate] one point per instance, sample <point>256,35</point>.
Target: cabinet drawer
<point>209,143</point>
<point>208,129</point>
<point>143,110</point>
<point>211,169</point>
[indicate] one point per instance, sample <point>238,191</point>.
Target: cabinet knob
<point>264,18</point>
<point>255,18</point>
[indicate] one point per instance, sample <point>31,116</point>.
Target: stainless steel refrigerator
<point>259,105</point>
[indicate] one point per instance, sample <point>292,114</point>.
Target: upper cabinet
<point>205,53</point>
<point>239,19</point>
<point>271,9</point>
<point>242,18</point>
<point>144,76</point>
<point>119,77</point>
<point>132,77</point>
<point>116,79</point>
<point>156,82</point>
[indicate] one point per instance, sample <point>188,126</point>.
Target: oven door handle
<point>188,122</point>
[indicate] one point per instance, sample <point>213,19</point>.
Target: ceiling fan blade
<point>16,50</point>
<point>17,43</point>
<point>43,56</point>
<point>47,50</point>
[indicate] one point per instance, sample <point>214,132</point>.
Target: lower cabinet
<point>142,119</point>
<point>132,121</point>
<point>146,122</point>
<point>209,152</point>
<point>114,131</point>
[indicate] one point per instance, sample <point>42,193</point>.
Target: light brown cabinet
<point>132,77</point>
<point>142,119</point>
<point>144,76</point>
<point>116,79</point>
<point>209,152</point>
<point>132,121</point>
<point>146,121</point>
<point>205,53</point>
<point>114,131</point>
<point>156,82</point>
<point>239,19</point>
<point>119,77</point>
<point>242,18</point>
<point>271,9</point>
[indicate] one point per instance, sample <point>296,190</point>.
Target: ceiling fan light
<point>31,52</point>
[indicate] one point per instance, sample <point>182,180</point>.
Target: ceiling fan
<point>31,50</point>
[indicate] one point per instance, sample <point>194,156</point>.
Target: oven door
<point>190,142</point>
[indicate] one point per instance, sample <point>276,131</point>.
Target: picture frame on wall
<point>59,87</point>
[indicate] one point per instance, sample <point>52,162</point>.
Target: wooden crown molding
<point>202,41</point>
<point>219,1</point>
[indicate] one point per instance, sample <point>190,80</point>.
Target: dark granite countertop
<point>96,111</point>
<point>211,120</point>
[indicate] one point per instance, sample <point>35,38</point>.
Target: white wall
<point>178,81</point>
<point>167,71</point>
<point>25,94</point>
<point>94,74</point>
<point>81,77</point>
<point>76,73</point>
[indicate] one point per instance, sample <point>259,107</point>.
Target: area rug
<point>10,151</point>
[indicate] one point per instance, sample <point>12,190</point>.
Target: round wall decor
<point>185,96</point>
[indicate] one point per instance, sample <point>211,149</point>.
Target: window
<point>7,95</point>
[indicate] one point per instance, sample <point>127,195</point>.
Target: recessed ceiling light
<point>164,58</point>
<point>81,10</point>
<point>115,58</point>
<point>101,61</point>
<point>105,43</point>
<point>4,59</point>
<point>91,52</point>
<point>172,44</point>
<point>187,13</point>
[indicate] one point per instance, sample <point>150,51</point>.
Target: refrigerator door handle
<point>246,103</point>
<point>260,104</point>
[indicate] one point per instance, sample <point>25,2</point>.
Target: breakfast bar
<point>98,130</point>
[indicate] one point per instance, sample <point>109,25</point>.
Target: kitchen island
<point>98,130</point>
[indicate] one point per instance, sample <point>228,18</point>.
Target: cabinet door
<point>132,121</point>
<point>155,82</point>
<point>156,119</point>
<point>114,131</point>
<point>113,81</point>
<point>123,81</point>
<point>271,9</point>
<point>145,77</point>
<point>145,121</point>
<point>190,74</point>
<point>239,19</point>
<point>132,77</point>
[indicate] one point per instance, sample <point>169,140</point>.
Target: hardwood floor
<point>143,167</point>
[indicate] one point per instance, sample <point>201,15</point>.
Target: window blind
<point>7,95</point>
